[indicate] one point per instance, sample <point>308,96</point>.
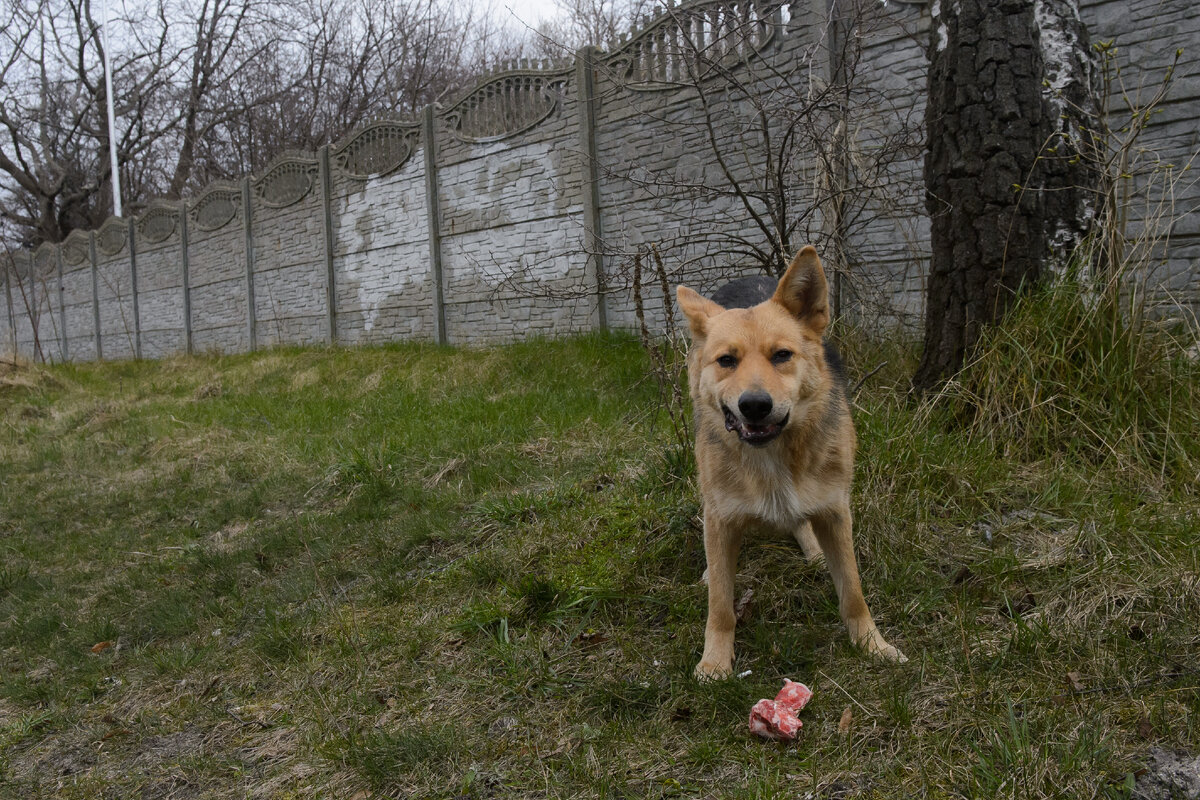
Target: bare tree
<point>336,65</point>
<point>207,89</point>
<point>54,153</point>
<point>586,22</point>
<point>228,42</point>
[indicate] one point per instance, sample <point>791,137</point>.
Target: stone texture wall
<point>545,195</point>
<point>7,323</point>
<point>114,291</point>
<point>888,236</point>
<point>381,267</point>
<point>78,302</point>
<point>160,292</point>
<point>289,273</point>
<point>1150,36</point>
<point>512,224</point>
<point>41,299</point>
<point>217,280</point>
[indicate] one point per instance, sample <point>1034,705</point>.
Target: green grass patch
<point>431,572</point>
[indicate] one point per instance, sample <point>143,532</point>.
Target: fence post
<point>95,292</point>
<point>330,286</point>
<point>585,80</point>
<point>429,140</point>
<point>31,309</point>
<point>10,269</point>
<point>133,283</point>
<point>251,322</point>
<point>187,277</point>
<point>830,69</point>
<point>63,347</point>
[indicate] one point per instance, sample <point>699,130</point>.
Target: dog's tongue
<point>749,432</point>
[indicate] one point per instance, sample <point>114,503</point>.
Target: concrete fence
<point>518,208</point>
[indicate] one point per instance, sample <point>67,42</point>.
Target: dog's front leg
<point>808,542</point>
<point>832,528</point>
<point>721,543</point>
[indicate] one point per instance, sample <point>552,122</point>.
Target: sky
<point>529,12</point>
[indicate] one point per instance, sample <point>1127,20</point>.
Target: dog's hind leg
<point>721,544</point>
<point>808,542</point>
<point>832,529</point>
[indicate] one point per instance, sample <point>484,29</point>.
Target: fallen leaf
<point>1076,681</point>
<point>844,722</point>
<point>1019,604</point>
<point>590,638</point>
<point>1145,728</point>
<point>741,609</point>
<point>100,647</point>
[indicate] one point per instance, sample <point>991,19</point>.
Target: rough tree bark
<point>1009,90</point>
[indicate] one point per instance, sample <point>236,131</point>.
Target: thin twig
<point>865,378</point>
<point>843,691</point>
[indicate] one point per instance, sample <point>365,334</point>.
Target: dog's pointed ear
<point>803,291</point>
<point>697,309</point>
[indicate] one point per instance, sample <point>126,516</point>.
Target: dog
<point>774,440</point>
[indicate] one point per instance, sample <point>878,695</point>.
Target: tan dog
<point>774,442</point>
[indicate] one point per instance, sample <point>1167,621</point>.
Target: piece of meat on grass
<point>793,695</point>
<point>771,720</point>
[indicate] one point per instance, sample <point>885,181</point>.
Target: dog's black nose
<point>754,406</point>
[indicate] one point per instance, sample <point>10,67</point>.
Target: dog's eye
<point>727,361</point>
<point>781,356</point>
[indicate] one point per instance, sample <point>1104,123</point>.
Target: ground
<point>428,572</point>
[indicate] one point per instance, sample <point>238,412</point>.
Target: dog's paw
<point>711,671</point>
<point>873,644</point>
<point>890,654</point>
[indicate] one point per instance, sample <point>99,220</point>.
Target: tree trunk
<point>1005,77</point>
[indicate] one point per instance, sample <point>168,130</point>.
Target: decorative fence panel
<point>533,201</point>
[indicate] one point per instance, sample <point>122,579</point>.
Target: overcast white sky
<point>528,11</point>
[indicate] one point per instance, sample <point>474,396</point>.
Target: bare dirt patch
<point>1170,775</point>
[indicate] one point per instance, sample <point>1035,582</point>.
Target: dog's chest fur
<point>766,491</point>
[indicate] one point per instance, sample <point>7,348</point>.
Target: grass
<point>418,571</point>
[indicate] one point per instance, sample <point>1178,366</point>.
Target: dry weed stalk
<point>667,352</point>
<point>1135,197</point>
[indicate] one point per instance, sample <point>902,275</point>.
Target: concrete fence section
<point>523,206</point>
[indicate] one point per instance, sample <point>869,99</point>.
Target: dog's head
<point>759,369</point>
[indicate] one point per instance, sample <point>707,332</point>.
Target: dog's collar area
<point>756,435</point>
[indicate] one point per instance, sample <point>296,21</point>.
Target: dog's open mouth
<point>750,433</point>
